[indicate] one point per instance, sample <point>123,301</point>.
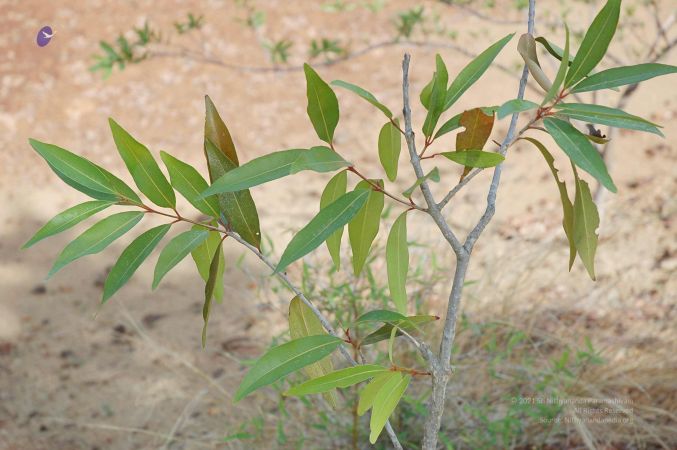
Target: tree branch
<point>442,367</point>
<point>433,210</point>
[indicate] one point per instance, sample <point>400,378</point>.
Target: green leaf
<point>385,402</point>
<point>96,238</point>
<point>68,219</point>
<point>203,255</point>
<point>368,394</point>
<point>217,132</point>
<point>473,71</point>
<point>131,258</point>
<point>190,184</point>
<point>561,72</point>
<point>84,175</point>
<point>621,76</point>
<point>567,207</point>
<point>514,106</point>
<point>303,322</point>
<point>381,315</point>
<point>410,325</point>
<point>586,221</point>
<point>449,126</point>
<point>433,175</point>
<point>475,158</point>
<point>595,42</point>
<point>328,220</point>
<point>606,116</point>
<point>438,97</point>
<point>215,267</point>
<point>368,96</point>
<point>237,207</point>
<point>335,188</point>
<point>284,359</point>
<point>143,168</point>
<point>579,149</point>
<point>397,260</point>
<point>276,165</point>
<point>339,379</point>
<point>323,108</point>
<point>426,92</point>
<point>177,249</point>
<point>257,171</point>
<point>363,228</point>
<point>389,147</point>
<point>319,159</point>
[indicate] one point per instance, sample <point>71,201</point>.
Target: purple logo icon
<point>44,36</point>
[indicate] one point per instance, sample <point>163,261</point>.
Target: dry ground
<point>76,376</point>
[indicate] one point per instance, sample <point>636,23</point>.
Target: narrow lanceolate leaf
<point>381,315</point>
<point>449,126</point>
<point>621,76</point>
<point>478,126</point>
<point>143,168</point>
<point>277,165</point>
<point>595,43</point>
<point>410,325</point>
<point>475,158</point>
<point>177,249</point>
<point>303,322</point>
<point>586,221</point>
<point>215,269</point>
<point>363,228</point>
<point>579,149</point>
<point>606,116</point>
<point>513,106</point>
<point>335,188</point>
<point>203,256</point>
<point>339,379</point>
<point>368,96</point>
<point>397,260</point>
<point>257,171</point>
<point>385,402</point>
<point>237,207</point>
<point>319,159</point>
<point>284,359</point>
<point>561,72</point>
<point>84,175</point>
<point>438,97</point>
<point>368,394</point>
<point>323,108</point>
<point>131,258</point>
<point>68,219</point>
<point>473,71</point>
<point>190,184</point>
<point>328,220</point>
<point>433,175</point>
<point>96,238</point>
<point>426,92</point>
<point>217,132</point>
<point>389,147</point>
<point>567,207</point>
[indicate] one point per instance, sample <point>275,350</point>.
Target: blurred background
<point>132,375</point>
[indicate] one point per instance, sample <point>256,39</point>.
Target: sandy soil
<point>77,376</point>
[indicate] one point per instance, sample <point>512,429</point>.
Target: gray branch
<point>441,366</point>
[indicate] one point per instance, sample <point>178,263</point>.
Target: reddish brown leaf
<point>478,127</point>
